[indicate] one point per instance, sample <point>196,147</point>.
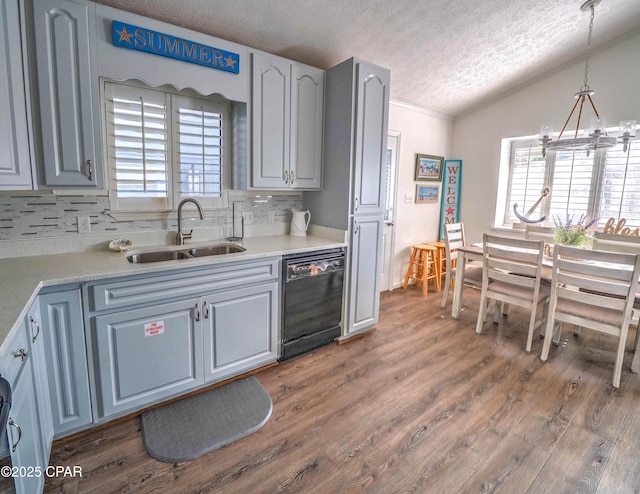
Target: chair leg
<point>617,368</point>
<point>445,290</point>
<point>425,272</point>
<point>482,315</point>
<point>410,268</point>
<point>548,331</point>
<point>532,325</point>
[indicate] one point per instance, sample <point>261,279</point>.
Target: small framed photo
<point>426,194</point>
<point>428,167</point>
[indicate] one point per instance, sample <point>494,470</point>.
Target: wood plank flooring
<point>420,404</point>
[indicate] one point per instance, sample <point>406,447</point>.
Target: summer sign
<point>165,45</point>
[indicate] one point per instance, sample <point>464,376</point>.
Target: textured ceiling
<point>448,56</point>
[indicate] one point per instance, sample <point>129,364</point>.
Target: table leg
<point>458,284</point>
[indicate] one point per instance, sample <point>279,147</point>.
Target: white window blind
<point>163,147</point>
<point>571,184</point>
<point>620,188</point>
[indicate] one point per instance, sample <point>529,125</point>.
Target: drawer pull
<point>21,354</point>
<point>37,326</point>
<point>15,445</point>
<point>197,312</point>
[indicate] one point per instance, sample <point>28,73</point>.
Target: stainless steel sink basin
<point>173,255</point>
<point>215,250</point>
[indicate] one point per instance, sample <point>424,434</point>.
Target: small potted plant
<point>570,233</point>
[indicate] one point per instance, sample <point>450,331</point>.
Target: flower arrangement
<point>570,233</point>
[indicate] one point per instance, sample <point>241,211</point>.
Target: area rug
<point>195,426</point>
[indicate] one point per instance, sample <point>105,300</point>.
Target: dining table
<point>473,252</point>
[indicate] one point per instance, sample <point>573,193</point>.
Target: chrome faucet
<point>181,237</point>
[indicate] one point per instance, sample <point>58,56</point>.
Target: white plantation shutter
<point>571,184</point>
<point>528,171</point>
<point>601,185</point>
<point>138,147</point>
<point>163,147</point>
<point>200,150</point>
<point>620,188</point>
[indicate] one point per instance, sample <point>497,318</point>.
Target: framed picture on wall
<point>426,194</point>
<point>428,167</point>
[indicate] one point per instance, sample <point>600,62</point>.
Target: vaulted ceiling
<point>448,56</point>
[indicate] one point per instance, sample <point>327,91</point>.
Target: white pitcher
<point>298,223</point>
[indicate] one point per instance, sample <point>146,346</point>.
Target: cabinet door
<point>68,90</point>
<point>15,168</point>
<point>24,434</point>
<point>65,354</point>
<point>372,115</point>
<point>271,106</point>
<point>240,330</point>
<point>307,105</point>
<point>41,385</point>
<point>364,273</point>
<point>146,355</point>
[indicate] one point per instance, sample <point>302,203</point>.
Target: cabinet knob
<point>35,324</point>
<point>15,445</point>
<point>21,354</point>
<point>90,169</point>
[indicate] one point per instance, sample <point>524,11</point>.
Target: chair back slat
<point>616,242</point>
<point>591,298</point>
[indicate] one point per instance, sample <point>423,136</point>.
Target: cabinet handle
<point>197,312</point>
<point>21,354</point>
<point>286,177</point>
<point>34,323</point>
<point>355,208</point>
<point>205,309</point>
<point>15,445</point>
<point>357,228</point>
<point>90,169</point>
<point>293,177</point>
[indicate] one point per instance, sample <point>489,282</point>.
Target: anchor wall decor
<point>525,217</point>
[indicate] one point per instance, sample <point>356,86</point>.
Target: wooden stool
<point>441,258</point>
<point>423,267</point>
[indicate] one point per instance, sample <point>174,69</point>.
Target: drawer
<point>11,363</point>
<point>139,290</point>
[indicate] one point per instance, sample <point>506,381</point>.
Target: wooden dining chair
<point>512,270</point>
<point>592,289</point>
<point>453,240</point>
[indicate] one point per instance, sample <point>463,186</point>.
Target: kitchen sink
<point>173,255</point>
<point>215,250</point>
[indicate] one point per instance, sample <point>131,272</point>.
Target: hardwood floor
<point>420,404</point>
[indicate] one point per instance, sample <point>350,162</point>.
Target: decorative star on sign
<point>230,62</point>
<point>450,211</point>
<point>125,35</point>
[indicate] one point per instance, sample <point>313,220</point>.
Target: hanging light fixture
<point>597,137</point>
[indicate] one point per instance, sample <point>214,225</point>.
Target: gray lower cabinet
<point>65,353</point>
<point>35,337</point>
<point>240,330</point>
<point>24,438</point>
<point>146,355</point>
<point>365,253</point>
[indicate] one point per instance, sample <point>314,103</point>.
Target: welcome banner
<point>450,210</point>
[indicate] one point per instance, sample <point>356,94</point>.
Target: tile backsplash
<point>47,215</point>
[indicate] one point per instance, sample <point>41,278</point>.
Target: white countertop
<point>21,278</point>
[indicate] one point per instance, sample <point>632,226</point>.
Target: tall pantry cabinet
<point>355,142</point>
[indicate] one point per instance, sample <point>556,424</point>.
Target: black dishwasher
<point>311,300</point>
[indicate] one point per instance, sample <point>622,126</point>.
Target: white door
<point>391,171</point>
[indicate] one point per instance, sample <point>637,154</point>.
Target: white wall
<point>615,76</point>
<point>421,132</point>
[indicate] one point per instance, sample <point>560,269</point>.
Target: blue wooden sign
<point>450,210</point>
<point>165,45</point>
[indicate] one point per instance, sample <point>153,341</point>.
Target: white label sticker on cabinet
<point>154,328</point>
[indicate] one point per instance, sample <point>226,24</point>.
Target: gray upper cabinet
<point>287,109</point>
<point>15,166</point>
<point>70,130</point>
<point>372,100</point>
<point>307,105</point>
